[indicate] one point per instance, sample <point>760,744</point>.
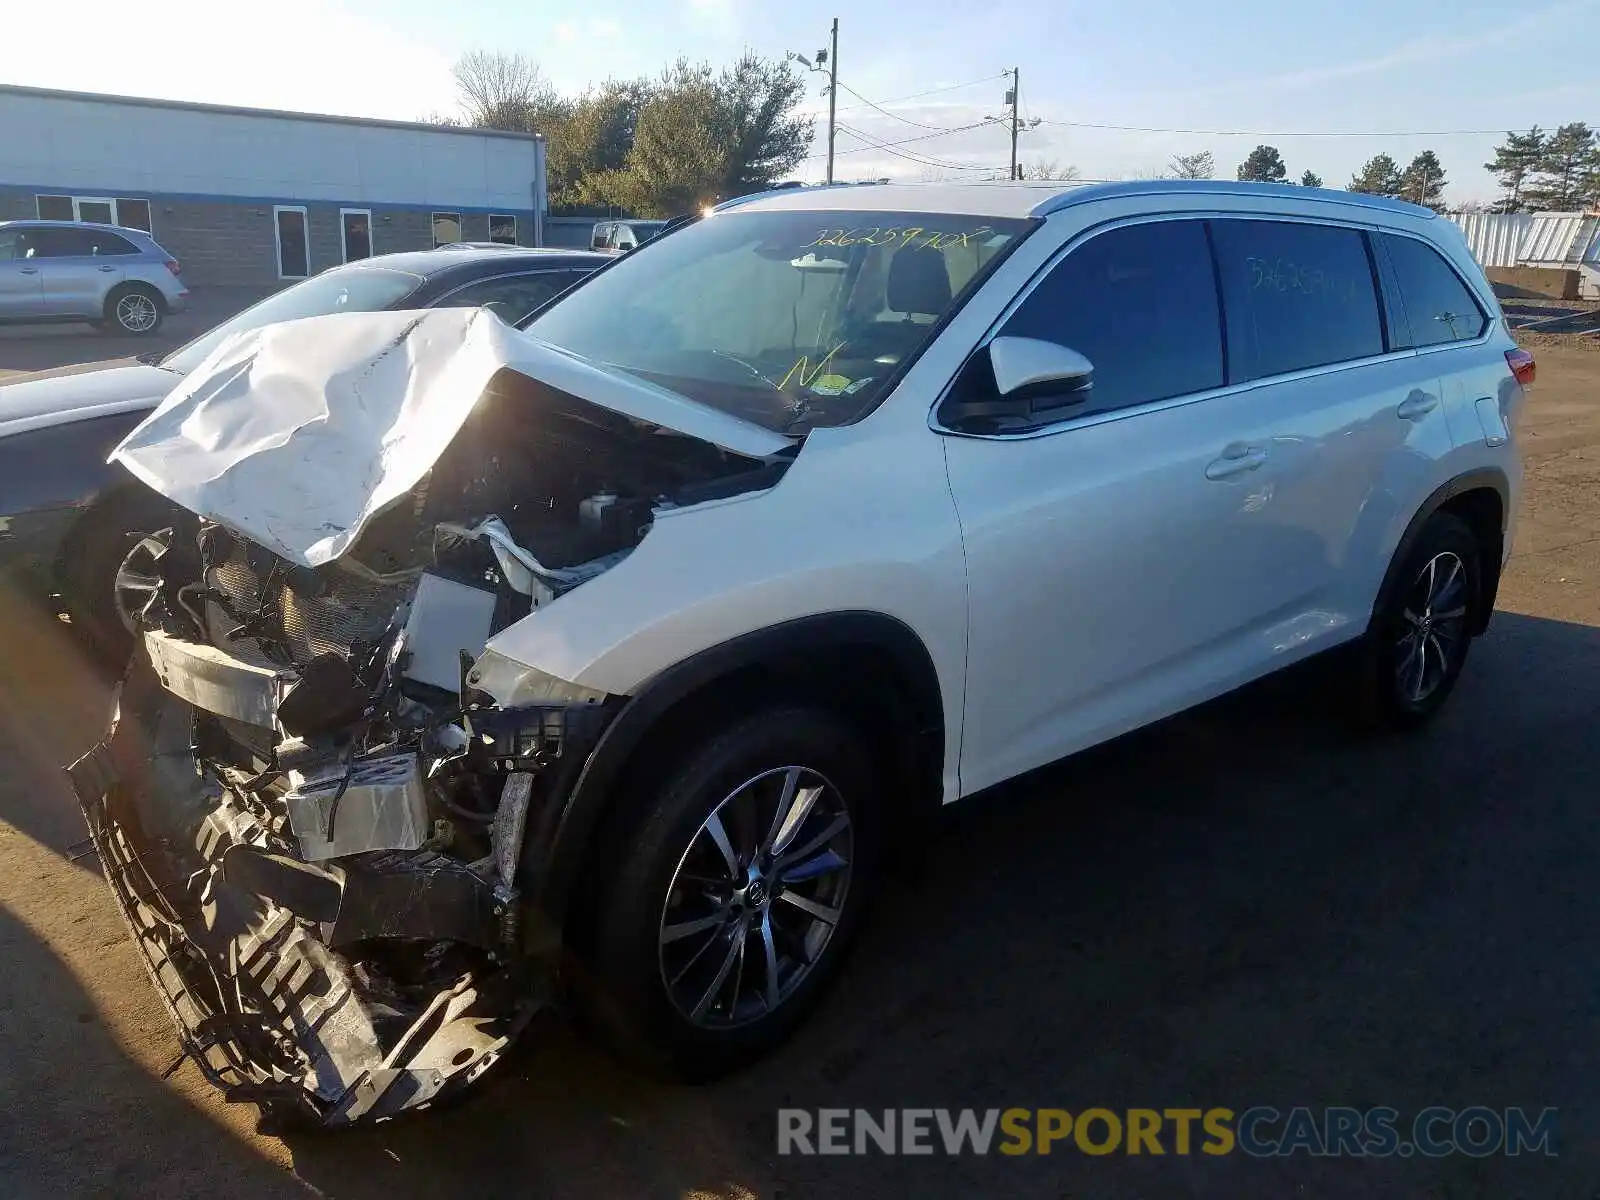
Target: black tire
<point>625,991</point>
<point>1416,647</point>
<point>94,554</point>
<point>134,319</point>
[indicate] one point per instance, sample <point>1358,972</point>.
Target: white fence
<point>1546,239</point>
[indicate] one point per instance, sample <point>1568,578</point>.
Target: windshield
<point>343,289</point>
<point>792,320</point>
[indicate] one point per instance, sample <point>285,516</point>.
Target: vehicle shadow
<point>55,702</point>
<point>1245,905</point>
<point>79,1115</point>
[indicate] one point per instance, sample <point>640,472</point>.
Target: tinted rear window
<point>1296,295</point>
<point>1440,307</point>
<point>1140,302</point>
<point>77,243</point>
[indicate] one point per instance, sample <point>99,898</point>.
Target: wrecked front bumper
<point>271,967</point>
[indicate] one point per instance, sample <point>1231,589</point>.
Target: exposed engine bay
<point>317,827</point>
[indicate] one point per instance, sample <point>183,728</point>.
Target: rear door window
<point>1441,307</point>
<point>1297,295</point>
<point>1140,302</point>
<point>63,242</point>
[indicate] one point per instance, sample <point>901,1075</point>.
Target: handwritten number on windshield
<point>898,239</point>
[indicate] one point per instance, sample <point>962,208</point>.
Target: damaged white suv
<point>606,658</point>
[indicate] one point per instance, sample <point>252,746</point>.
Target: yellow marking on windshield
<point>806,372</point>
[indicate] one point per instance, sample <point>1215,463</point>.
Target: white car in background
<point>615,655</point>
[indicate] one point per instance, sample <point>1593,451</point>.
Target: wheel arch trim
<point>1491,478</point>
<point>637,715</point>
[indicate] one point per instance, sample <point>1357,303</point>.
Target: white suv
<point>635,640</point>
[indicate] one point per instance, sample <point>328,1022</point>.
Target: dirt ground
<point>1244,906</point>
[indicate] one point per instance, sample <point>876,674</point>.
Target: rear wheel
<point>734,894</point>
<point>134,309</point>
<point>1419,638</point>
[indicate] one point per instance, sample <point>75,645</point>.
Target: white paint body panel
<point>40,403</point>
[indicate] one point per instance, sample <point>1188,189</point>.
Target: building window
<point>99,210</point>
<point>503,228</point>
<point>294,247</point>
<point>446,228</point>
<point>133,214</point>
<point>355,229</point>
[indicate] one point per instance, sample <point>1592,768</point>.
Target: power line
<point>919,159</point>
<point>954,87</point>
<point>1280,133</point>
<point>921,137</point>
<point>885,111</point>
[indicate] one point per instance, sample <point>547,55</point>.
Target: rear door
<point>1115,557</point>
<point>79,267</point>
<point>1348,416</point>
<point>21,292</point>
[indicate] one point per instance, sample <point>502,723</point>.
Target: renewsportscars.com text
<point>1261,1131</point>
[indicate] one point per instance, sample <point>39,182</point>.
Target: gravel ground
<point>1243,906</point>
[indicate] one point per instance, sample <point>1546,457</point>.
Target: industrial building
<point>257,197</point>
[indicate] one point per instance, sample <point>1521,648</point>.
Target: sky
<point>1400,76</point>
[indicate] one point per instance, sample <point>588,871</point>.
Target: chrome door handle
<point>108,267</point>
<point>30,270</point>
<point>1237,459</point>
<point>1418,404</point>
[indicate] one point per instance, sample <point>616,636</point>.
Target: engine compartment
<point>314,823</point>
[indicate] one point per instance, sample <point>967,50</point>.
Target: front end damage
<point>322,831</point>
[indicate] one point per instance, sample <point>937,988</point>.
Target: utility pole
<point>833,92</point>
<point>1015,98</point>
<point>826,57</point>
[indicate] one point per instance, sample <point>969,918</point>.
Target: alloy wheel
<point>756,897</point>
<point>1433,626</point>
<point>136,313</point>
<point>136,579</point>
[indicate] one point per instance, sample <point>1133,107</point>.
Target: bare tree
<point>501,91</point>
<point>1050,168</point>
<point>1193,166</point>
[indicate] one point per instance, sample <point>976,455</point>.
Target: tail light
<point>172,265</point>
<point>1521,364</point>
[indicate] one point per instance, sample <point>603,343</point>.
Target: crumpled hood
<point>39,403</point>
<point>298,434</point>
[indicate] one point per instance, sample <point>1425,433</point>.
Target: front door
<point>20,289</point>
<point>294,246</point>
<point>1112,557</point>
<point>355,228</point>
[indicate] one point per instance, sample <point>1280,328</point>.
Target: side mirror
<point>1046,374</point>
<point>1031,381</point>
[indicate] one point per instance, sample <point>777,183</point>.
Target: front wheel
<point>1418,640</point>
<point>734,894</point>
